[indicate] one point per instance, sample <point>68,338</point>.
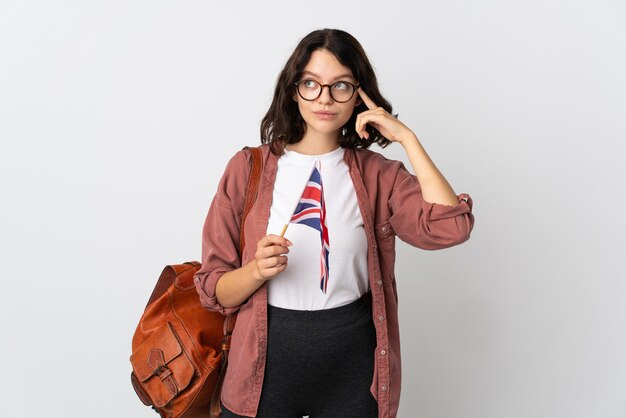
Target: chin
<point>326,128</point>
<point>326,131</point>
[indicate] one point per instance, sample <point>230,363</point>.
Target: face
<point>324,115</point>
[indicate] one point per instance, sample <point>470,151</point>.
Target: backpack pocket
<point>161,366</point>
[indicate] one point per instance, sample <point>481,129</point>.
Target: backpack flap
<point>161,366</point>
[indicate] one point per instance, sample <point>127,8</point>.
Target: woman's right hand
<point>268,259</point>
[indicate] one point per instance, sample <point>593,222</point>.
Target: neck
<point>316,143</point>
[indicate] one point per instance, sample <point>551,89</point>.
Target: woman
<point>317,325</point>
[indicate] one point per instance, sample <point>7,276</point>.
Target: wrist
<point>255,273</point>
<point>409,139</point>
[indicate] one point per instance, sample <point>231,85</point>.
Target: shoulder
<point>234,179</point>
<point>375,159</point>
<point>375,166</point>
<point>240,163</point>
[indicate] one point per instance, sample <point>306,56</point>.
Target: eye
<point>341,85</point>
<point>310,84</point>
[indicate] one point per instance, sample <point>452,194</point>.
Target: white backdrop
<point>117,119</point>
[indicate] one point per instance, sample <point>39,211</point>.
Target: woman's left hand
<point>389,126</point>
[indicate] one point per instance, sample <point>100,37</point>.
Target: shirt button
<point>381,318</point>
<point>380,282</point>
<point>383,352</point>
<point>384,229</point>
<point>384,388</point>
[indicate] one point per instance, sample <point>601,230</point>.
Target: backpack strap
<point>251,192</point>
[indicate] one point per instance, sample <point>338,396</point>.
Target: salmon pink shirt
<point>391,204</point>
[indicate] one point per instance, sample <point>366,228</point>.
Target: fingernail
<point>289,243</point>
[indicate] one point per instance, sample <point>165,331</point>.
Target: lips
<point>324,114</point>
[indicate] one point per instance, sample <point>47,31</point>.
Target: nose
<point>325,96</point>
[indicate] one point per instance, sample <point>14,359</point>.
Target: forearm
<point>234,287</point>
<point>435,187</point>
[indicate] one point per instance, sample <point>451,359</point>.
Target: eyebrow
<point>346,75</point>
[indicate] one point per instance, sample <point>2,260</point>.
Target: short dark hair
<point>283,123</point>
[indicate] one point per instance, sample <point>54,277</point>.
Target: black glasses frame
<point>330,90</point>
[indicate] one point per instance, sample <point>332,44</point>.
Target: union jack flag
<point>311,211</point>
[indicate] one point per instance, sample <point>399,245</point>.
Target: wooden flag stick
<point>284,230</point>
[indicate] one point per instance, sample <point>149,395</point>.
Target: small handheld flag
<point>311,211</point>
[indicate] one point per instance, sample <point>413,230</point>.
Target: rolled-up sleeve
<point>426,225</point>
<point>220,235</point>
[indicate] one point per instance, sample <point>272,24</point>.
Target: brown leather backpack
<point>180,349</point>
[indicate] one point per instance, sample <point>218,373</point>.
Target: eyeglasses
<point>341,91</point>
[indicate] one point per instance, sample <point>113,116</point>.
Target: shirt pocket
<point>384,230</point>
<point>385,240</point>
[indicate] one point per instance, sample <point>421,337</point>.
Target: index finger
<point>276,239</point>
<point>366,99</point>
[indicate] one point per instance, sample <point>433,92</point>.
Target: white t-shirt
<point>298,286</point>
